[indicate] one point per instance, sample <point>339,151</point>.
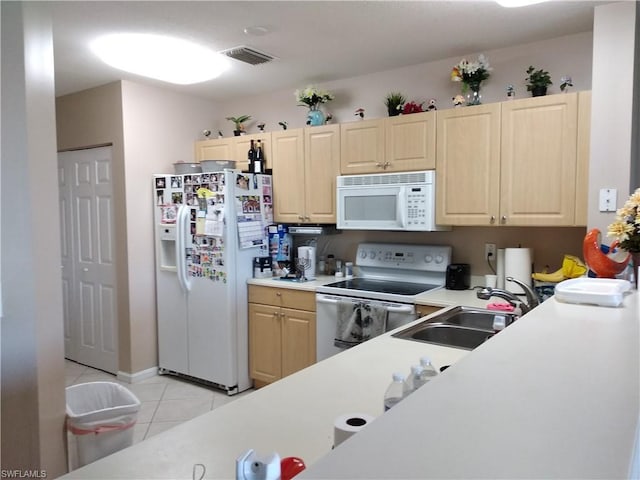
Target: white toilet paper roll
<point>517,264</point>
<point>346,425</point>
<point>500,269</point>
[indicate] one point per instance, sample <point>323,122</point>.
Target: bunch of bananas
<point>572,267</point>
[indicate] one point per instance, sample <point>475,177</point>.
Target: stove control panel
<point>433,258</point>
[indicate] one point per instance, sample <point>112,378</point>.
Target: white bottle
<point>414,380</point>
<point>395,391</point>
<point>428,370</point>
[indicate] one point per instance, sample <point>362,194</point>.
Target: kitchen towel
<point>346,425</point>
<point>308,256</point>
<point>358,322</point>
<point>517,264</point>
<point>500,268</point>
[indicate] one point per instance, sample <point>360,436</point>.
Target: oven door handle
<point>401,309</point>
<point>388,308</point>
<point>329,300</point>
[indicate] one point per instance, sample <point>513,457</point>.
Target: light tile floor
<point>166,400</point>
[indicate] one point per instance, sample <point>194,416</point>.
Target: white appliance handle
<point>181,261</point>
<point>402,206</point>
<point>389,308</point>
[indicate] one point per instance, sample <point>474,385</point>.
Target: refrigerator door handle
<point>181,264</point>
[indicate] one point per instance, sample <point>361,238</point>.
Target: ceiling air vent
<point>248,55</point>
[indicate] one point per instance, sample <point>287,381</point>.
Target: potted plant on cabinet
<point>239,123</point>
<point>394,103</point>
<point>537,81</point>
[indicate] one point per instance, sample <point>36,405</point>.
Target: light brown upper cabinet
<point>468,165</point>
<point>539,160</point>
<point>215,149</point>
<point>233,148</point>
<point>242,145</point>
<point>306,162</point>
<point>395,144</point>
<point>362,147</point>
<point>513,163</point>
<point>410,142</point>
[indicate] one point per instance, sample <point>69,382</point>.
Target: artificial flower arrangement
<point>471,74</point>
<point>626,227</point>
<point>312,96</point>
<point>412,107</point>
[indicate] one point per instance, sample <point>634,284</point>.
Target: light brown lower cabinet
<point>424,310</point>
<point>282,332</point>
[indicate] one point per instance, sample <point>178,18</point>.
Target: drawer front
<point>283,297</point>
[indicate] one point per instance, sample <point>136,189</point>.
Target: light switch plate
<point>608,198</point>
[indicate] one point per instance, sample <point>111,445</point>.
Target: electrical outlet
<point>490,250</point>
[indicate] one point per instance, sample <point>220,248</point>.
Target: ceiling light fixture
<point>518,3</point>
<point>163,58</point>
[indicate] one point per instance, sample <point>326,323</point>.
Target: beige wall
<point>160,128</point>
<point>570,55</point>
<point>150,129</point>
<point>611,107</point>
<point>33,400</point>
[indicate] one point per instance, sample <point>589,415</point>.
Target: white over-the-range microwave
<point>402,201</point>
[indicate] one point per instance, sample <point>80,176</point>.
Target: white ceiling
<point>314,41</point>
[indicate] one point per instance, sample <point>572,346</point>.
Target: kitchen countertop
<point>555,395</point>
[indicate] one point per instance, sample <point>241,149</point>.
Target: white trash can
<point>101,417</point>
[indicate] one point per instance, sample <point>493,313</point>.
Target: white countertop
<point>555,395</point>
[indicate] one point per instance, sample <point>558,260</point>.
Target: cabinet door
<point>538,160</point>
<point>215,149</point>
<point>321,167</point>
<point>288,176</point>
<point>242,145</point>
<point>298,340</point>
<point>468,165</point>
<point>265,343</point>
<point>410,142</point>
<point>582,167</point>
<point>362,147</point>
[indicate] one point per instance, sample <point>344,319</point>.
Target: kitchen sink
<point>460,327</point>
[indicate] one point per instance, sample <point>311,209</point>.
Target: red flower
<point>412,107</point>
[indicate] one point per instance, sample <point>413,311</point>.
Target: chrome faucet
<point>485,293</point>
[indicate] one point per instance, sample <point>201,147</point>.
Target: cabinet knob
<point>492,220</point>
<point>307,217</point>
<point>300,217</point>
<point>379,165</point>
<point>503,219</point>
<point>386,164</point>
<point>278,294</point>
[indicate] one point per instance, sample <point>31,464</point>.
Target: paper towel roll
<point>500,269</point>
<point>346,425</point>
<point>517,264</point>
<point>309,254</point>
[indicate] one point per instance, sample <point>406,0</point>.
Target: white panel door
<point>89,280</point>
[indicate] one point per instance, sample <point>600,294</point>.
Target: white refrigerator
<point>209,227</point>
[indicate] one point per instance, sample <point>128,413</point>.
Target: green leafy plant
<point>239,121</point>
<point>394,101</point>
<point>537,78</point>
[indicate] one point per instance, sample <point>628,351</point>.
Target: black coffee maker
<point>458,276</point>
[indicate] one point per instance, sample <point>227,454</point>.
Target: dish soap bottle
<point>394,392</point>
